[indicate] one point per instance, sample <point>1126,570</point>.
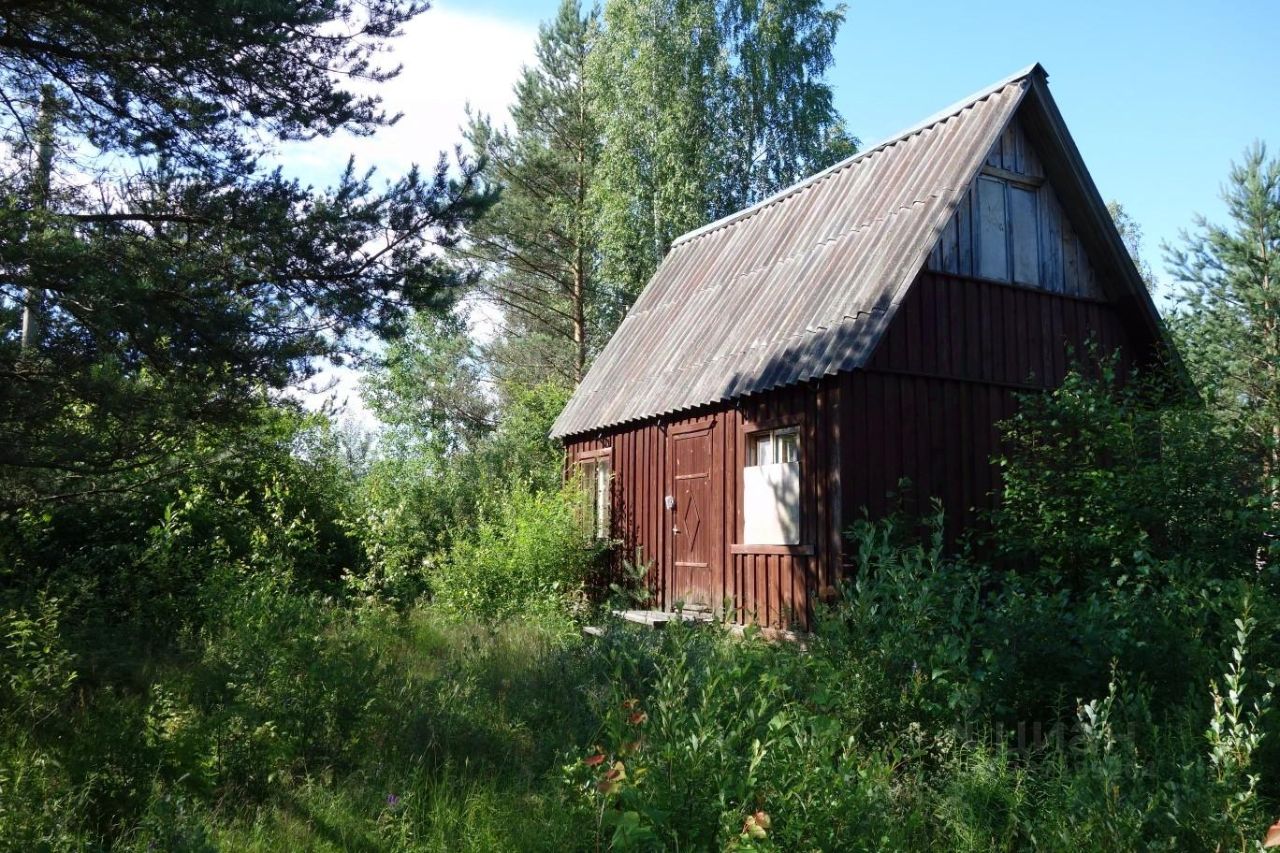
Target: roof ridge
<point>937,118</point>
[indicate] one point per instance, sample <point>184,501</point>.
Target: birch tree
<point>707,106</point>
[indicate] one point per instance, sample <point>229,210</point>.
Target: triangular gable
<point>1010,226</point>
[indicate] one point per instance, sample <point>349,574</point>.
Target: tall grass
<point>938,703</point>
<point>437,734</point>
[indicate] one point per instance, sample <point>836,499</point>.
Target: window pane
<point>788,447</point>
<point>763,449</point>
<point>587,513</point>
<point>604,471</point>
<point>1026,239</point>
<point>993,241</point>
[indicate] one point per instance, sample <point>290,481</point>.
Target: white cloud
<point>450,58</point>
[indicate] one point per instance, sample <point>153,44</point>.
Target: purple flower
<point>393,802</point>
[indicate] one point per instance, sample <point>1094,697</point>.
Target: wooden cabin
<point>789,364</point>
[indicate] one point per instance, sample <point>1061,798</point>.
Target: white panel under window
<point>771,504</point>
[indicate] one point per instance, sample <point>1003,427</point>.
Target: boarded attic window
<point>993,233</point>
<point>1024,234</point>
<point>1008,231</point>
<point>771,488</point>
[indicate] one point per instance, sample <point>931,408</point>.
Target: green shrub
<point>285,682</point>
<point>37,668</point>
<point>529,554</point>
<point>40,808</point>
<point>1104,471</point>
<point>428,485</point>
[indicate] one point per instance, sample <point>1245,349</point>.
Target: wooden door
<point>694,525</point>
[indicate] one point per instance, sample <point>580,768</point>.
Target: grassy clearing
<point>487,716</point>
<point>524,736</point>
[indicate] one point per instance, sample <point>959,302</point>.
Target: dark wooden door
<point>694,526</point>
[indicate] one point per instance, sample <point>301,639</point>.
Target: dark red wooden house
<point>789,364</point>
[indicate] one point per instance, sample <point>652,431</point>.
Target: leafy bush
<point>430,482</point>
<point>38,669</point>
<point>1104,471</point>
<point>862,740</point>
<point>530,554</point>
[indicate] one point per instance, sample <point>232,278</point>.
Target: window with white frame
<point>771,488</point>
<point>596,473</point>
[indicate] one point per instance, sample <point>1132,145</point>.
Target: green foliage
<point>294,720</point>
<point>530,554</point>
<point>1131,235</point>
<point>428,390</point>
<point>175,282</point>
<point>220,630</point>
<point>538,242</point>
<point>194,89</point>
<point>1104,473</point>
<point>705,107</point>
<point>419,496</point>
<point>1230,318</point>
<point>1234,732</point>
<point>39,669</point>
<point>707,741</point>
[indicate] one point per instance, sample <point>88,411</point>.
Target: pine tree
<point>183,285</point>
<point>1231,300</point>
<point>538,241</point>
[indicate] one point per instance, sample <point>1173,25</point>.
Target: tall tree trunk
<point>33,298</point>
<point>580,255</point>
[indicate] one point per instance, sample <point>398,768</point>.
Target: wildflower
<point>612,779</point>
<point>1273,836</point>
<point>638,718</point>
<point>594,760</point>
<point>393,802</point>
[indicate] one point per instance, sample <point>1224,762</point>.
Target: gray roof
<point>798,286</point>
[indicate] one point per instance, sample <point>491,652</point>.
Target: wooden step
<point>661,618</point>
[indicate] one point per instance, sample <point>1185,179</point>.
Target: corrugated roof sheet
<point>795,287</point>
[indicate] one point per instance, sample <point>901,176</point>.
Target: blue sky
<point>1160,96</point>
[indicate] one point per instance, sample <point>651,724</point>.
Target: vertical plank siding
<point>769,588</point>
<point>961,348</point>
<point>973,241</point>
<point>932,418</point>
<point>950,367</point>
